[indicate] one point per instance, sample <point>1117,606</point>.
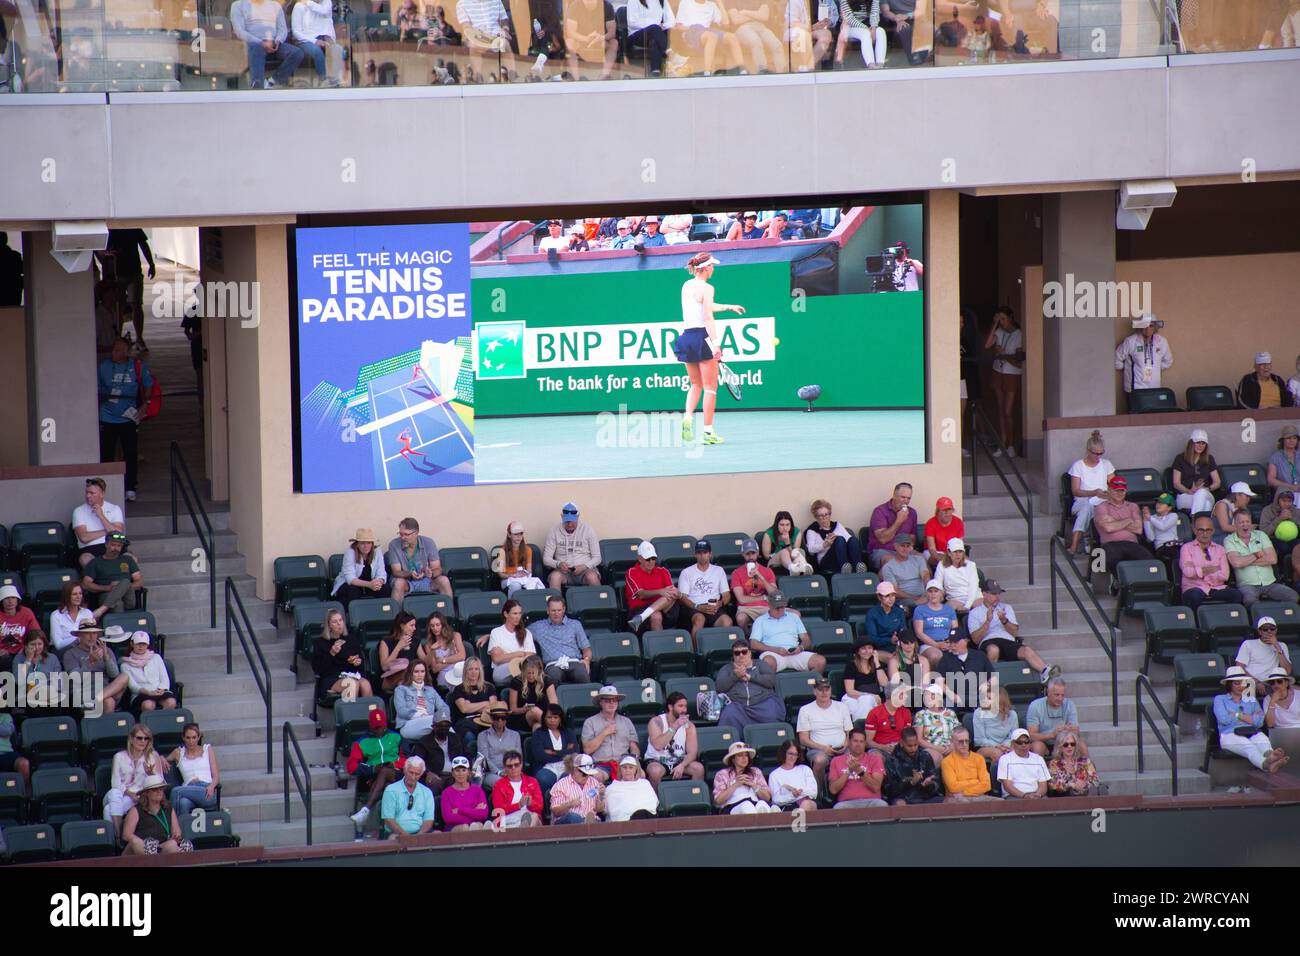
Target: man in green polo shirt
<point>1252,557</point>
<point>115,576</point>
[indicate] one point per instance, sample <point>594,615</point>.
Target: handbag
<point>1245,731</point>
<point>709,704</point>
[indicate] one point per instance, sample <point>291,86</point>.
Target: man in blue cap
<point>572,551</point>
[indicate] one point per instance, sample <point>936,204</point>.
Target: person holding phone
<point>752,585</point>
<point>740,786</point>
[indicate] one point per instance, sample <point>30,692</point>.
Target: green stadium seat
<point>1249,472</point>
<point>44,587</point>
<point>423,606</point>
<point>13,799</point>
<point>31,844</point>
<point>852,596</point>
<point>808,594</point>
<point>309,624</point>
<point>469,569</point>
<point>166,726</point>
<point>87,839</point>
<point>1197,681</point>
<point>675,551</point>
<point>335,567</point>
<point>685,798</point>
<point>104,736</point>
<point>479,612</point>
<point>615,656</point>
<point>1287,616</point>
<point>691,687</point>
<point>11,579</point>
<point>594,606</point>
<point>617,557</point>
<point>713,645</point>
<point>1144,484</point>
<point>766,738</point>
<point>642,699</point>
<point>795,689</point>
<point>370,619</point>
<point>352,721</point>
<point>534,602</point>
<point>1169,631</point>
<point>299,577</point>
<point>103,781</point>
<point>215,833</point>
<point>833,640</point>
<point>1210,398</point>
<point>4,547</point>
<point>1224,627</point>
<point>726,549</point>
<point>713,743</point>
<point>51,741</point>
<point>669,653</point>
<point>38,544</point>
<point>1143,401</point>
<point>60,794</point>
<point>1021,682</point>
<point>578,702</point>
<point>1142,584</point>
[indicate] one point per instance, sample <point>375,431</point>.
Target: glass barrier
<point>164,45</point>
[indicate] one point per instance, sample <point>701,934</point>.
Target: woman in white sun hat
<point>739,786</point>
<point>1241,724</point>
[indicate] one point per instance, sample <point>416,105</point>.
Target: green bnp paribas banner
<point>590,342</point>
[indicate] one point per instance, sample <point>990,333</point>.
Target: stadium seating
<point>13,799</point>
<point>31,844</point>
<point>1252,474</point>
<point>795,689</point>
<point>309,624</point>
<point>60,794</point>
<point>37,544</point>
<point>852,596</point>
<point>299,577</point>
<point>51,741</point>
<point>726,549</point>
<point>1019,680</point>
<point>1197,681</point>
<point>617,557</point>
<point>1144,484</point>
<point>44,586</point>
<point>423,606</point>
<point>615,656</point>
<point>578,702</point>
<point>468,569</point>
<point>675,551</point>
<point>1210,398</point>
<point>594,606</point>
<point>1287,616</point>
<point>1145,400</point>
<point>534,603</point>
<point>214,832</point>
<point>166,726</point>
<point>713,743</point>
<point>335,567</point>
<point>1142,584</point>
<point>129,621</point>
<point>684,798</point>
<point>479,612</point>
<point>102,737</point>
<point>809,595</point>
<point>352,722</point>
<point>766,738</point>
<point>642,699</point>
<point>713,645</point>
<point>87,839</point>
<point>669,653</point>
<point>1170,631</point>
<point>691,687</point>
<point>833,640</point>
<point>370,619</point>
<point>1224,627</point>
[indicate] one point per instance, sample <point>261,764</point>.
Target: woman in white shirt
<point>699,346</point>
<point>793,784</point>
<point>648,23</point>
<point>630,797</point>
<point>363,573</point>
<point>72,613</point>
<point>312,25</point>
<point>959,577</point>
<point>197,763</point>
<point>509,641</point>
<point>1088,478</point>
<point>1008,345</point>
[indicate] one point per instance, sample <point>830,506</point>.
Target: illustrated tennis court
<point>416,432</point>
<point>588,447</point>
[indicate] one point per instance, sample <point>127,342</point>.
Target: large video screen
<point>547,349</point>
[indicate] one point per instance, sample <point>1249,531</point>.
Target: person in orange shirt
<point>965,774</point>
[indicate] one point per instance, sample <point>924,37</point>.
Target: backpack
<point>150,403</point>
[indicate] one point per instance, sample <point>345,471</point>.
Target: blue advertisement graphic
<point>386,382</point>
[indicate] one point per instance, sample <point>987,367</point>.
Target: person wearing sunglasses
<point>1205,568</point>
<point>652,598</point>
<point>407,805</point>
<point>1260,656</point>
<point>131,767</point>
<point>750,686</point>
<point>517,797</point>
<point>1022,773</point>
<point>1241,720</point>
<point>1073,774</point>
<point>1282,710</point>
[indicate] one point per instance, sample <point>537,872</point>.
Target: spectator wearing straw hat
<point>150,826</point>
<point>607,735</point>
<point>1240,720</point>
<point>739,786</point>
<point>1282,708</point>
<point>495,741</point>
<point>1119,525</point>
<point>90,655</point>
<point>363,574</point>
<point>1261,388</point>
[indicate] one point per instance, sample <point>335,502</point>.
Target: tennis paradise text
<point>384,285</point>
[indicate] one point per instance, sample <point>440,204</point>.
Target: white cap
<point>1240,488</point>
<point>934,583</point>
<point>9,591</point>
<point>584,763</point>
<point>141,637</point>
<point>1199,434</point>
<point>516,527</point>
<point>627,760</point>
<point>1263,358</point>
<point>1144,321</point>
<point>646,550</point>
<point>1019,733</point>
<point>1265,620</point>
<point>935,688</point>
<point>956,544</point>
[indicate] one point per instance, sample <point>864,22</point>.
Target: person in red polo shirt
<point>884,724</point>
<point>651,595</point>
<point>751,583</point>
<point>940,529</point>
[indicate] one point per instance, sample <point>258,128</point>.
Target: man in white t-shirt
<point>1143,355</point>
<point>1260,656</point>
<point>555,240</point>
<point>95,519</point>
<point>1022,773</point>
<point>823,727</point>
<point>704,589</point>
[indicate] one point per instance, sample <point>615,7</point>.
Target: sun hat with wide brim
<point>739,747</point>
<point>609,690</point>
<point>1235,672</point>
<point>364,534</point>
<point>484,718</point>
<point>454,675</point>
<point>153,782</point>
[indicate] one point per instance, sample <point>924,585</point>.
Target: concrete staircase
<point>229,708</point>
<point>997,534</point>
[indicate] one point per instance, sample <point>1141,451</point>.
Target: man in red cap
<point>378,756</point>
<point>939,529</point>
<point>1119,526</point>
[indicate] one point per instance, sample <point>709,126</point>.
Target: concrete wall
<point>13,388</point>
<point>51,493</point>
<point>1093,121</point>
<point>271,520</point>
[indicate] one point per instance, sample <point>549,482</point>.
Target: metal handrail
<point>301,783</point>
<point>243,628</point>
<point>1170,747</point>
<point>1111,649</point>
<point>180,478</point>
<point>1026,508</point>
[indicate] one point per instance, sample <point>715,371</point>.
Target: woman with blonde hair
<point>699,345</point>
<point>131,768</point>
<point>339,659</point>
<point>994,725</point>
<point>513,562</point>
<point>1073,774</point>
<point>1088,484</point>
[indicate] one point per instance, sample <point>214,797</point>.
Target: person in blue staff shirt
<point>122,382</point>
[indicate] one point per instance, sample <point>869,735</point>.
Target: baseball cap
<point>777,599</point>
<point>627,760</point>
<point>1199,434</point>
<point>378,718</point>
<point>141,637</point>
<point>1263,358</point>
<point>1020,734</point>
<point>1240,488</point>
<point>516,527</point>
<point>992,587</point>
<point>651,218</point>
<point>956,544</point>
<point>750,215</point>
<point>943,503</point>
<point>1265,620</point>
<point>749,545</point>
<point>115,536</point>
<point>822,681</point>
<point>933,584</point>
<point>646,550</point>
<point>459,762</point>
<point>584,763</point>
<point>904,537</point>
<point>885,587</point>
<point>1118,481</point>
<point>570,510</point>
<point>622,224</point>
<point>1286,493</point>
<point>703,545</point>
<point>1165,498</point>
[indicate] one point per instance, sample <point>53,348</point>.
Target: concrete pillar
<point>1078,353</point>
<point>63,399</point>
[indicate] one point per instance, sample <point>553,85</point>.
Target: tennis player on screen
<point>699,345</point>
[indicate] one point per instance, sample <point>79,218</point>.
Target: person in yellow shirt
<point>965,774</point>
